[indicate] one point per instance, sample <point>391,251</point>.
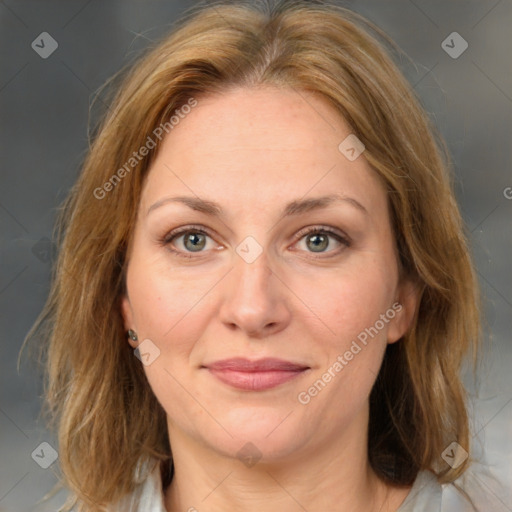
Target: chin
<point>271,434</point>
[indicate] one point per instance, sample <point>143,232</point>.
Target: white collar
<point>148,496</point>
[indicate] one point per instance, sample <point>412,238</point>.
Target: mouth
<point>255,375</point>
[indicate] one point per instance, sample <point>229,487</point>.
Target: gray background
<point>44,106</point>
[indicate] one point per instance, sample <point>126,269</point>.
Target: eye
<point>194,239</point>
<point>186,241</point>
<point>318,239</point>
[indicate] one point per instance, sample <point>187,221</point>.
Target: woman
<point>263,295</point>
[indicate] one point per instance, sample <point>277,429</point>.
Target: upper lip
<point>268,364</point>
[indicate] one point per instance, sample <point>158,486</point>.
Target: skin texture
<point>253,151</point>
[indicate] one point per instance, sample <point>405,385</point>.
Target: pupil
<point>323,242</point>
<point>195,239</point>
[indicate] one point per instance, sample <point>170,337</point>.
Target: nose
<point>255,302</point>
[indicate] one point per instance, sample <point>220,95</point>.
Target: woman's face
<point>253,285</point>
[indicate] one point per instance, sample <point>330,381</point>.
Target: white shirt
<point>426,495</point>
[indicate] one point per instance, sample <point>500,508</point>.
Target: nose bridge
<point>251,278</point>
<point>253,301</point>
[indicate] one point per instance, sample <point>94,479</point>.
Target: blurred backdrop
<point>54,55</point>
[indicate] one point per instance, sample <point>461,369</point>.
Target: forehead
<point>246,145</point>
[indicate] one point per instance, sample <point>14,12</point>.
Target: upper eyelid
<point>332,231</point>
<point>185,229</point>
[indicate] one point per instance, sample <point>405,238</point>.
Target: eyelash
<point>169,237</point>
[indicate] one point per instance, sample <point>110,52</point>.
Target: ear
<point>127,313</point>
<point>408,296</point>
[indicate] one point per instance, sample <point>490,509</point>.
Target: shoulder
<point>425,495</point>
<point>466,494</point>
<point>148,496</point>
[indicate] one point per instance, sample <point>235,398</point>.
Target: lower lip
<point>255,381</point>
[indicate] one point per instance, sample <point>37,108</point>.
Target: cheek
<point>172,310</point>
<point>351,337</point>
<point>348,301</point>
<point>164,299</point>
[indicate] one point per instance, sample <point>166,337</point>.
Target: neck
<point>333,474</point>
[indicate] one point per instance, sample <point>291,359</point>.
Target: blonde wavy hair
<point>97,396</point>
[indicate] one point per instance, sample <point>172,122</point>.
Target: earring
<point>132,335</point>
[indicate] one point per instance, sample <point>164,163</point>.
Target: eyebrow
<point>296,207</point>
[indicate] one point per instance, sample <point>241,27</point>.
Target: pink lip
<point>255,375</point>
